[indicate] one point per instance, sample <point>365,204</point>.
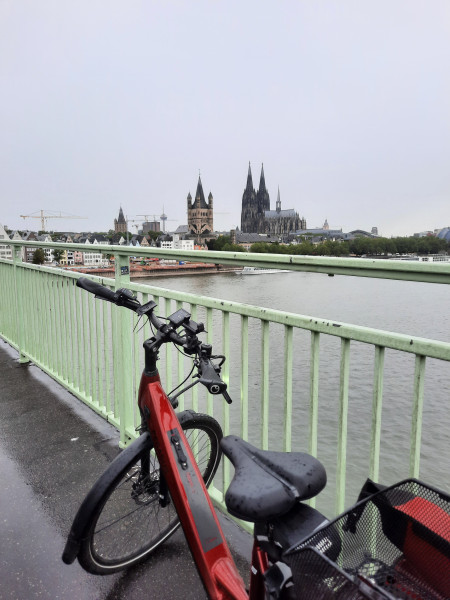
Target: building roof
<point>444,234</point>
<point>319,231</point>
<point>121,218</point>
<point>116,238</point>
<point>199,195</point>
<point>363,233</point>
<point>29,236</point>
<point>101,239</point>
<point>277,214</point>
<point>253,238</point>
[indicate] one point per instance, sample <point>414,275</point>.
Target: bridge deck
<point>52,448</point>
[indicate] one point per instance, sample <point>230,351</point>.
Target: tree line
<point>359,246</point>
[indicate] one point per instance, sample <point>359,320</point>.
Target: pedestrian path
<point>52,449</point>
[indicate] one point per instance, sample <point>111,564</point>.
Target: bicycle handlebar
<point>208,372</point>
<point>97,289</point>
<point>210,378</point>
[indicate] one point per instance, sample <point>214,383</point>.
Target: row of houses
<point>89,257</point>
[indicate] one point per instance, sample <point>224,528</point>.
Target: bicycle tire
<point>130,523</point>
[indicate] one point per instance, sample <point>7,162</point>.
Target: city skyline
<point>135,223</point>
<point>109,104</point>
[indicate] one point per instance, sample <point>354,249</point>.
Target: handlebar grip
<point>97,289</point>
<point>210,378</point>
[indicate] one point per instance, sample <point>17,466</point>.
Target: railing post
<point>342,425</point>
<point>18,292</point>
<point>377,402</point>
<point>123,353</point>
<point>416,429</point>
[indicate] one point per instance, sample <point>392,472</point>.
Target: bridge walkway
<point>52,448</point>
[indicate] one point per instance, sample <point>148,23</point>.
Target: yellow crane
<point>44,217</point>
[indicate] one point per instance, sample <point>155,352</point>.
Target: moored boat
<point>260,271</point>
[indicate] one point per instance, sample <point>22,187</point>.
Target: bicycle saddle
<point>268,484</point>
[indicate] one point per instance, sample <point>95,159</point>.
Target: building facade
<point>200,212</point>
<point>5,251</point>
<point>150,226</point>
<point>282,222</point>
<point>256,216</point>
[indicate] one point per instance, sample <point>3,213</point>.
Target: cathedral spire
<point>199,195</point>
<point>278,205</point>
<point>263,195</point>
<point>121,218</point>
<point>262,180</point>
<point>249,179</point>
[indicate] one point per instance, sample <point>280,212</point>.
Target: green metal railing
<point>90,348</point>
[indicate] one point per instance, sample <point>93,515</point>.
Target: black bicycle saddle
<point>267,484</point>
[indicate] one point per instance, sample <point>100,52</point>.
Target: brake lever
<point>227,397</point>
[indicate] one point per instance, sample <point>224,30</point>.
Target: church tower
<point>249,212</point>
<point>262,196</point>
<point>120,224</point>
<point>278,204</point>
<point>200,212</point>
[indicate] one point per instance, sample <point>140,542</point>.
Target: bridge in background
<point>93,349</point>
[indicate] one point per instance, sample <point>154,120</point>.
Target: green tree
<point>259,248</point>
<point>431,245</point>
<point>154,235</point>
<point>38,256</point>
<point>360,245</point>
<point>57,253</point>
<point>232,248</point>
<point>219,242</point>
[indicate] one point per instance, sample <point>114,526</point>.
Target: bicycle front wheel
<point>130,522</point>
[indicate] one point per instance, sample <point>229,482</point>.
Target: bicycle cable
<point>184,381</point>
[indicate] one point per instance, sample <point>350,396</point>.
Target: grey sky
<point>107,103</point>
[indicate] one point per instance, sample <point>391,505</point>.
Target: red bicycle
<point>160,481</point>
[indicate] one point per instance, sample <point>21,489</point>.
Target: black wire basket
<point>393,544</point>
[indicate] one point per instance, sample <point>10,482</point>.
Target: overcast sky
<point>106,104</point>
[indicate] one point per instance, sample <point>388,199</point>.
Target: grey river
<point>417,309</point>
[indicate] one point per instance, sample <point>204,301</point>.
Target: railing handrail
<point>358,267</point>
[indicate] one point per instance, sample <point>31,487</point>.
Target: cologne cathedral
<point>256,216</point>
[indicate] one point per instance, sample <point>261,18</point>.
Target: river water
<point>418,309</point>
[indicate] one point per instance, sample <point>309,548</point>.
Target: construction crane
<point>132,221</point>
<point>45,217</point>
<point>146,217</point>
<point>162,217</point>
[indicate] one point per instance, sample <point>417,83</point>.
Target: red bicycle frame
<point>192,502</point>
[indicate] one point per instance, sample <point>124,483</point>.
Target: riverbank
<point>160,270</point>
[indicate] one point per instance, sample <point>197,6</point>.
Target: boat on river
<point>260,271</point>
